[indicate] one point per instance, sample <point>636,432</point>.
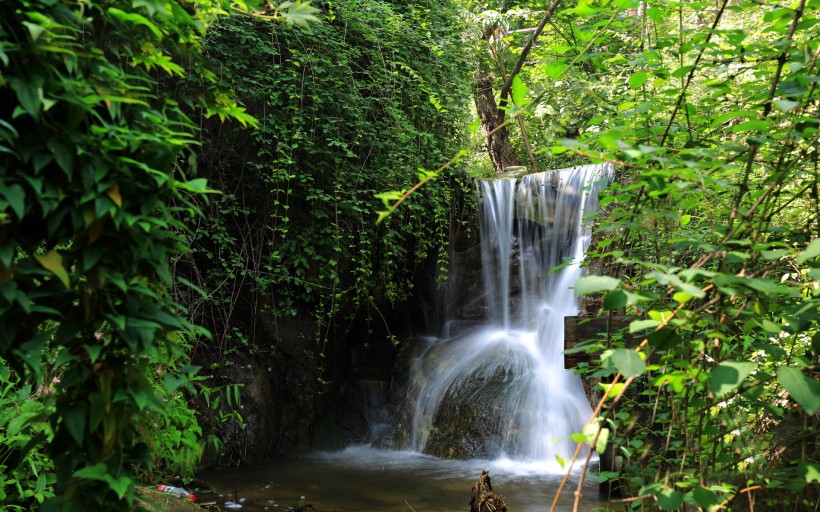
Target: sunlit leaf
<point>591,430</point>
<point>53,262</point>
<point>728,375</point>
<point>136,19</point>
<point>803,389</point>
<point>519,91</point>
<point>299,13</point>
<point>628,362</point>
<point>637,79</point>
<point>593,284</point>
<point>555,68</point>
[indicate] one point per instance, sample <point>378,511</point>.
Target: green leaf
<point>812,251</point>
<point>519,92</point>
<point>728,375</point>
<point>299,13</point>
<point>592,284</point>
<point>809,471</point>
<point>590,430</point>
<point>34,30</point>
<point>719,120</point>
<point>705,498</point>
<point>769,326</point>
<point>804,390</point>
<point>616,299</point>
<point>74,420</point>
<point>390,196</point>
<point>628,362</point>
<point>669,499</point>
<point>53,262</point>
<point>682,71</point>
<point>28,94</point>
<point>637,79</point>
<point>640,325</point>
<point>555,68</point>
<point>774,254</point>
<point>197,186</point>
<point>612,390</point>
<point>682,297</point>
<point>685,219</point>
<point>664,338</point>
<point>99,472</point>
<point>383,215</point>
<point>172,383</point>
<point>120,485</point>
<point>754,125</point>
<point>62,154</point>
<point>93,352</point>
<point>96,472</point>
<point>16,197</point>
<point>136,19</point>
<point>785,105</point>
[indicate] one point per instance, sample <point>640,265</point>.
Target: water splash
<point>501,391</point>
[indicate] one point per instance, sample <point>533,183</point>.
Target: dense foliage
<point>713,245</point>
<point>709,238</point>
<point>95,188</point>
<point>361,102</point>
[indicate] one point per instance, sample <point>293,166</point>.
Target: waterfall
<point>500,389</point>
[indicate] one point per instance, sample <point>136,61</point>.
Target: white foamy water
<point>515,360</point>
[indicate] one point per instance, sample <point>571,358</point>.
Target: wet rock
<point>472,425</point>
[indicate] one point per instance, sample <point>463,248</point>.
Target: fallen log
<point>483,499</point>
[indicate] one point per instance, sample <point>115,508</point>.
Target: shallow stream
<point>364,479</point>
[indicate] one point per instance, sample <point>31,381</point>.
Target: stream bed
<point>363,479</point>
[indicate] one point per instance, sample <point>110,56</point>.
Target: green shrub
<point>26,471</point>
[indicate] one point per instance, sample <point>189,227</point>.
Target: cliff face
<point>305,295</point>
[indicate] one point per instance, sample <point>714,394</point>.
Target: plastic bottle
<point>179,492</point>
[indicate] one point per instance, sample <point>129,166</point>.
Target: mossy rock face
<point>152,500</point>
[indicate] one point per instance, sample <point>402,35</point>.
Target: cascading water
<point>501,390</point>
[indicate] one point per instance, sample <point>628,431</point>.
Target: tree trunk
<point>492,119</point>
<point>498,139</point>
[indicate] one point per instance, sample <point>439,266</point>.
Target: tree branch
<point>505,91</point>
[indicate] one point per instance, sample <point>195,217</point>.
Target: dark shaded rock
<point>257,407</point>
<point>471,425</point>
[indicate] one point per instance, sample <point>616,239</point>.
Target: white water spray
<point>501,391</point>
